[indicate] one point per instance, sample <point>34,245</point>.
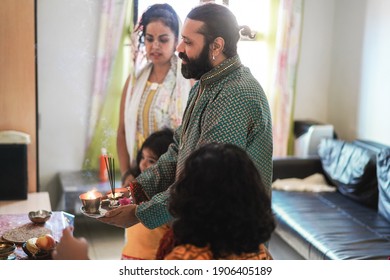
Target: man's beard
<point>195,68</point>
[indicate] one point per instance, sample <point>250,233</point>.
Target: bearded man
<point>226,105</point>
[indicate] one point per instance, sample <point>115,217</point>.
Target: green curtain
<point>104,130</point>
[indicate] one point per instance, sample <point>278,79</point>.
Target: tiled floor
<point>106,241</point>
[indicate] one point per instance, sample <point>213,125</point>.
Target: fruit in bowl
<point>40,247</point>
<point>46,242</point>
<point>31,247</point>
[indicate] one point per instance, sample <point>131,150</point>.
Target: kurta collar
<point>220,71</point>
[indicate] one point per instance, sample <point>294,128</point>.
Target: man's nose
<point>179,47</point>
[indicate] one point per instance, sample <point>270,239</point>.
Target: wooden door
<point>18,77</point>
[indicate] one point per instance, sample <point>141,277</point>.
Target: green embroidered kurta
<point>227,105</point>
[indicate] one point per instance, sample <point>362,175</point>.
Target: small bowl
<point>40,216</point>
<point>117,195</point>
<point>6,249</point>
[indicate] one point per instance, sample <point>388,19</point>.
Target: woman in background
<point>155,96</point>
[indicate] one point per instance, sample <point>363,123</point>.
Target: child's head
<point>221,197</point>
<point>153,147</point>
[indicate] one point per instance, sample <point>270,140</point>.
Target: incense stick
<point>110,165</point>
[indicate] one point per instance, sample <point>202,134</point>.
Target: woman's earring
<point>213,57</point>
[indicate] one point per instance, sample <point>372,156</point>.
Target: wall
<point>373,105</point>
<point>67,41</point>
<point>346,79</point>
<point>315,61</point>
<point>342,76</point>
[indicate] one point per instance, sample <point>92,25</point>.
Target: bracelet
<point>137,193</point>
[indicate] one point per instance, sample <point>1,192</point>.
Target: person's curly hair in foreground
<point>221,203</point>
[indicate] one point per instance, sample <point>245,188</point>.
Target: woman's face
<point>160,42</point>
<point>148,158</point>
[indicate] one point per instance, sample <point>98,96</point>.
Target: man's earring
<point>213,57</point>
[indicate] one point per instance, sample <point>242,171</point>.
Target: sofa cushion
<point>383,171</point>
<point>352,169</point>
<point>328,225</point>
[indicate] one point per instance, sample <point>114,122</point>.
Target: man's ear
<point>217,46</point>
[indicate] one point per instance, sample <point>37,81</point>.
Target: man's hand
<point>123,216</point>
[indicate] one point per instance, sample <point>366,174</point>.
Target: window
<point>181,7</point>
<point>254,53</point>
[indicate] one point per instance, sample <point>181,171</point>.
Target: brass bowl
<point>91,201</point>
<point>40,216</point>
<point>6,249</point>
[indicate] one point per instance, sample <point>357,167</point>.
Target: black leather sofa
<point>336,225</point>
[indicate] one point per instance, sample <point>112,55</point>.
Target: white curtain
<point>282,91</point>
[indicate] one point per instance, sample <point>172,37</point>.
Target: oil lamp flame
<point>90,195</point>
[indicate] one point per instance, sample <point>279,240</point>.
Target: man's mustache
<point>184,57</point>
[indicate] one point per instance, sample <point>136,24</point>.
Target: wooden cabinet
<point>18,110</point>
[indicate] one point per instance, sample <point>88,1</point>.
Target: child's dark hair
<point>158,142</point>
<point>220,196</point>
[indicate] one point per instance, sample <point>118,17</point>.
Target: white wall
<point>373,105</point>
<point>315,61</point>
<point>345,78</point>
<point>344,67</point>
<point>66,43</point>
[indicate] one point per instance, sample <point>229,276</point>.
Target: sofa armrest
<point>296,167</point>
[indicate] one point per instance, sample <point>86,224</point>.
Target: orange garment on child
<point>141,242</point>
<point>191,252</point>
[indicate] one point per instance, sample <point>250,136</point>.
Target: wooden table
<point>58,221</point>
<point>35,201</point>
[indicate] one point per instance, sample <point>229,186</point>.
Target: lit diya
<point>96,203</point>
<point>91,201</point>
